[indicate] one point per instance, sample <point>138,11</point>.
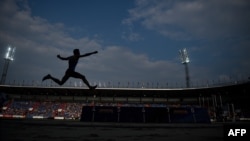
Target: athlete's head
<point>76,52</point>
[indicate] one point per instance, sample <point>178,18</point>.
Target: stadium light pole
<point>185,60</point>
<point>9,56</point>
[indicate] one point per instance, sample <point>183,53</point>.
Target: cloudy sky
<point>137,40</point>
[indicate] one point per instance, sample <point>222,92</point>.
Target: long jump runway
<point>54,130</point>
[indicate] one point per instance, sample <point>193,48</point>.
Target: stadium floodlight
<point>184,56</point>
<point>185,60</point>
<point>10,53</point>
<point>9,56</point>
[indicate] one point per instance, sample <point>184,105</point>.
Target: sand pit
<point>51,130</point>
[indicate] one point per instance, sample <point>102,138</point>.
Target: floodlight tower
<point>9,56</point>
<point>185,60</point>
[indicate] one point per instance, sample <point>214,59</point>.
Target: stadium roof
<point>134,92</point>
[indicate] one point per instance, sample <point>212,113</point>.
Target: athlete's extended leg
<point>48,76</point>
<point>64,79</point>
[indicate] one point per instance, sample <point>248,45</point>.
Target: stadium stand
<point>42,110</point>
<point>182,105</point>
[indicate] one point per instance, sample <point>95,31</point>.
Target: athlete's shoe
<point>46,77</point>
<point>92,87</point>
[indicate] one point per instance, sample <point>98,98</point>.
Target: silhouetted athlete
<point>70,72</point>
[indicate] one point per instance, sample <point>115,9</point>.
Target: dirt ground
<point>51,130</point>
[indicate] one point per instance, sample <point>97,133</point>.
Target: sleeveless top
<point>73,62</point>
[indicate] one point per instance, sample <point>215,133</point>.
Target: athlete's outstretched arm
<point>62,58</point>
<point>87,54</point>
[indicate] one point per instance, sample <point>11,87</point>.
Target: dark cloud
<point>191,19</point>
<point>38,41</point>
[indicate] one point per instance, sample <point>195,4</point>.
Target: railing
<point>155,85</point>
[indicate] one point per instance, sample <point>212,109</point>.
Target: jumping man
<point>70,72</point>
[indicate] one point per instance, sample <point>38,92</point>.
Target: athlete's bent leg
<point>78,75</point>
<point>64,79</point>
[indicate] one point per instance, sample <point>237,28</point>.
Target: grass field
<point>53,130</point>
